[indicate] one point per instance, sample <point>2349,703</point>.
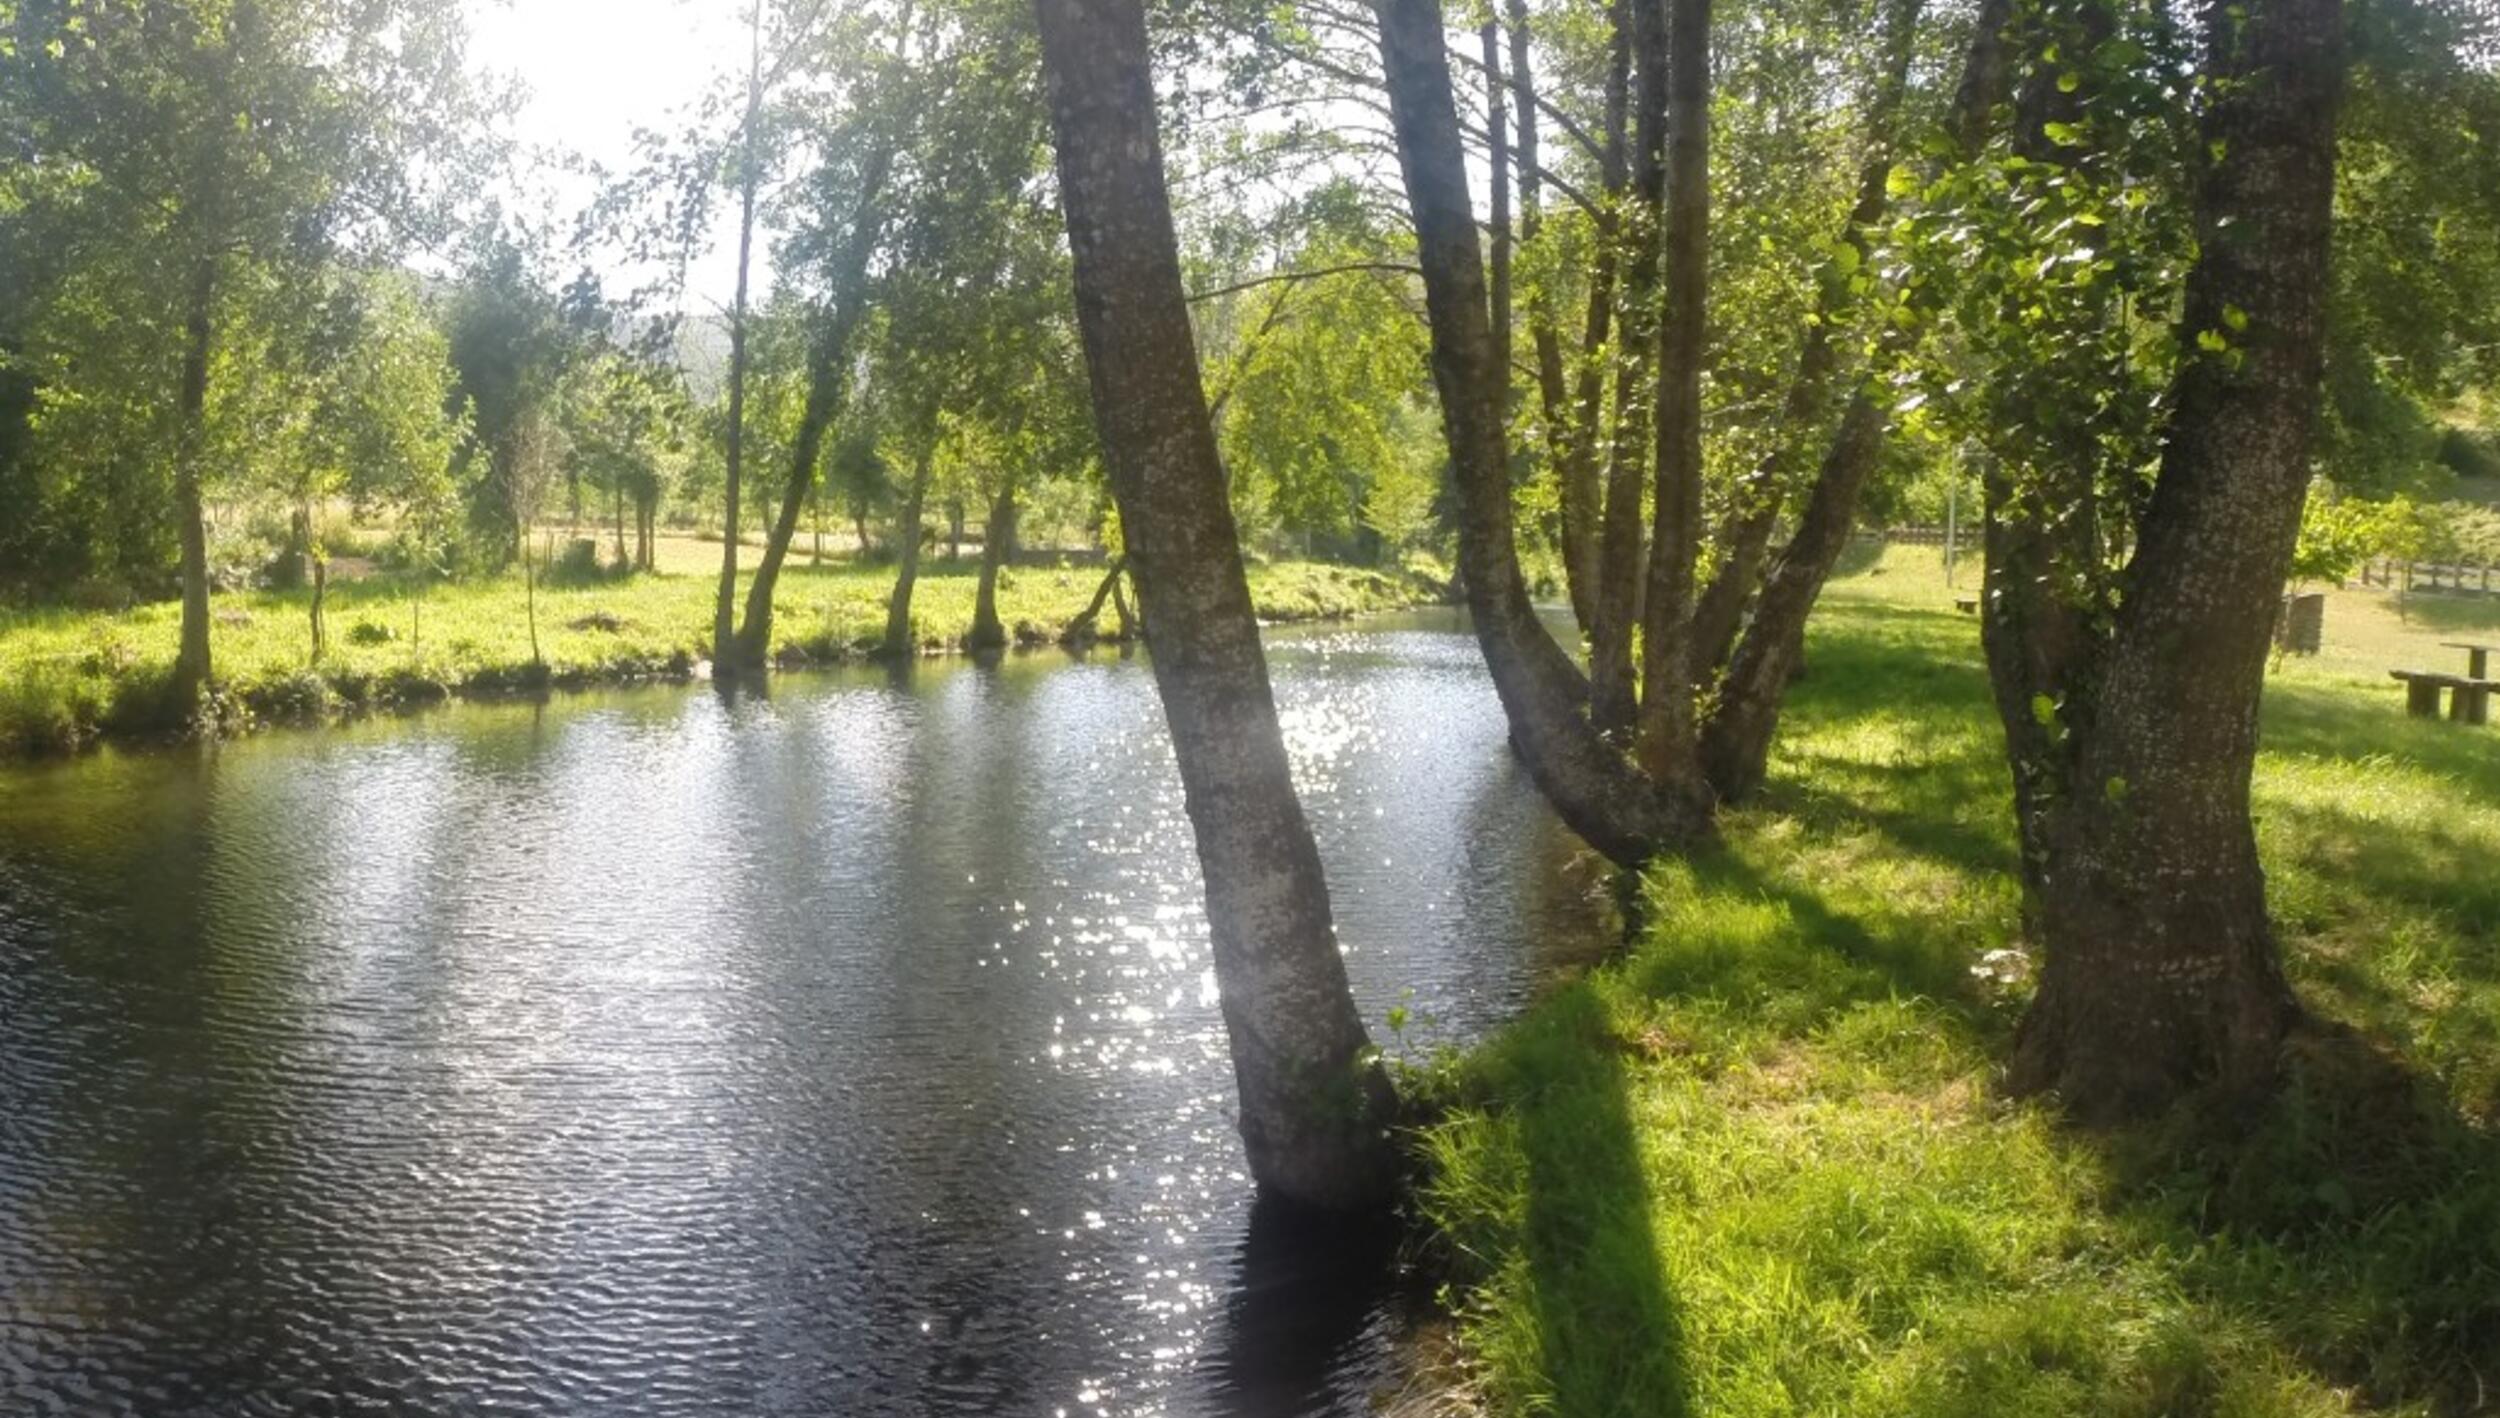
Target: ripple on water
<point>849,1052</point>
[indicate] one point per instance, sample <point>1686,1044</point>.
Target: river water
<point>850,1051</point>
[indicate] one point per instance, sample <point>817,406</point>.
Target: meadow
<point>1760,1163</point>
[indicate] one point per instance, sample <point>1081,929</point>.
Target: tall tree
<point>2161,972</point>
<point>1314,1102</point>
<point>222,139</point>
<point>1627,811</point>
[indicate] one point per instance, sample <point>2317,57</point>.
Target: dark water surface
<point>851,1052</point>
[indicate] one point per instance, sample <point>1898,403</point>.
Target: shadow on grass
<point>2356,1217</point>
<point>1605,1315</point>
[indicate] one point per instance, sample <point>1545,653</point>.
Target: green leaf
<point>2211,341</point>
<point>2044,711</point>
<point>2235,317</point>
<point>2069,81</point>
<point>2065,135</point>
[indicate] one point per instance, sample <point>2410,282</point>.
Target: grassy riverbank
<point>69,676</point>
<point>1760,1165</point>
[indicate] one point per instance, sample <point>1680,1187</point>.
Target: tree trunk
<point>1746,533</point>
<point>954,529</point>
<point>616,506</point>
<point>828,368</point>
<point>192,668</point>
<point>1666,713</point>
<point>1736,739</point>
<point>1582,436</point>
<point>898,643</point>
<point>320,587</point>
<point>1613,685</point>
<point>1592,788</point>
<point>529,588</point>
<point>1574,475</point>
<point>1497,178</point>
<point>1314,1102</point>
<point>2161,972</point>
<point>998,537</point>
<point>1082,631</point>
<point>725,599</point>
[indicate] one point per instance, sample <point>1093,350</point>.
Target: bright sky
<point>595,70</point>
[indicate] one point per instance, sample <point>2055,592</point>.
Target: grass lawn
<point>1760,1165</point>
<point>66,675</point>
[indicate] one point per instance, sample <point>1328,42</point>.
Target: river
<point>851,1050</point>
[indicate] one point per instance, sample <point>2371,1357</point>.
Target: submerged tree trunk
<point>1591,786</point>
<point>2161,972</point>
<point>191,666</point>
<point>998,537</point>
<point>1315,1103</point>
<point>898,641</point>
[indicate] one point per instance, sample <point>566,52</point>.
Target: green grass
<point>1760,1164</point>
<point>67,676</point>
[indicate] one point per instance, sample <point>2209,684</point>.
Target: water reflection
<point>845,1050</point>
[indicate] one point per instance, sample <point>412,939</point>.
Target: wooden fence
<point>2447,578</point>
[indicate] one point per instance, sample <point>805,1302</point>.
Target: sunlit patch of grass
<point>1761,1165</point>
<point>64,671</point>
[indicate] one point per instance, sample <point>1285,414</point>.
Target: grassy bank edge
<point>72,679</point>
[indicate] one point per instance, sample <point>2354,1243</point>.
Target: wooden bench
<point>1967,605</point>
<point>2469,699</point>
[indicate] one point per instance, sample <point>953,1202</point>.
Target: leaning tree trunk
<point>2161,972</point>
<point>1314,1102</point>
<point>725,595</point>
<point>1745,535</point>
<point>997,540</point>
<point>191,665</point>
<point>828,366</point>
<point>1736,737</point>
<point>898,637</point>
<point>1592,787</point>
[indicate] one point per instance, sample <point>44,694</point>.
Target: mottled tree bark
<point>998,537</point>
<point>1592,787</point>
<point>1666,712</point>
<point>898,638</point>
<point>192,668</point>
<point>1314,1100</point>
<point>2161,972</point>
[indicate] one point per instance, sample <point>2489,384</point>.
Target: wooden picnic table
<point>2477,656</point>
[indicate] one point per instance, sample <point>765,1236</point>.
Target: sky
<point>594,71</point>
